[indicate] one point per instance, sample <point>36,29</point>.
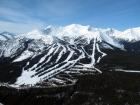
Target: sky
<point>25,15</point>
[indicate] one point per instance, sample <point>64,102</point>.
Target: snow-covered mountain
<point>6,36</point>
<point>127,35</point>
<point>42,55</point>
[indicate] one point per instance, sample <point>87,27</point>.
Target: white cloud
<point>16,16</point>
<point>17,21</point>
<point>17,27</point>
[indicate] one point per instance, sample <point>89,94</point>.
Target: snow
<point>131,71</point>
<point>1,103</point>
<point>25,55</point>
<point>110,40</point>
<point>76,30</point>
<point>6,35</point>
<point>2,38</point>
<point>35,74</point>
<point>38,34</point>
<point>58,80</point>
<point>132,34</point>
<point>93,53</point>
<point>42,59</point>
<point>26,78</point>
<point>60,54</point>
<point>103,54</point>
<point>10,48</point>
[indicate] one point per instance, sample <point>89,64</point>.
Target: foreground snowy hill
<point>43,55</point>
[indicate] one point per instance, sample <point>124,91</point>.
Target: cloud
<point>16,13</point>
<point>30,13</point>
<point>16,17</point>
<point>25,13</point>
<point>18,27</point>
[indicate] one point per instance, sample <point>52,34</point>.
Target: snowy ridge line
<point>77,30</point>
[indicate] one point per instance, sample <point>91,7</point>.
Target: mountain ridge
<point>43,55</point>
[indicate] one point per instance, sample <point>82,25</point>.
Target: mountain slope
<point>43,55</point>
